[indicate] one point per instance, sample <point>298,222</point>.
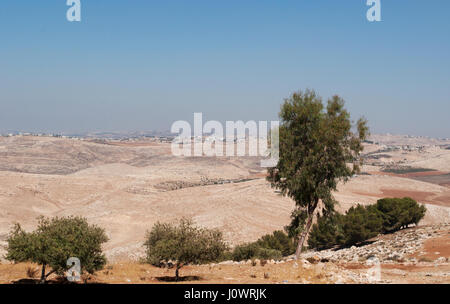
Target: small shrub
<point>279,241</point>
<point>245,252</point>
<point>269,254</point>
<point>183,244</point>
<point>270,246</point>
<point>252,251</point>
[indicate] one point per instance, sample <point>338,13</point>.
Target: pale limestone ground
<point>117,187</point>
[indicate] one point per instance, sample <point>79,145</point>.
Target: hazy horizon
<point>141,66</point>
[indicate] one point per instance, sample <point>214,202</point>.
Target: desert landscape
<point>127,185</point>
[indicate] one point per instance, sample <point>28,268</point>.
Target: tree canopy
<point>361,223</point>
<point>55,241</point>
<point>183,244</point>
<point>317,148</point>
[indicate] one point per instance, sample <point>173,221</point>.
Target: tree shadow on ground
<point>38,281</point>
<point>180,279</point>
<point>56,281</point>
<point>360,244</point>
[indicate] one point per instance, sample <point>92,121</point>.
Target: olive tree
<point>318,147</point>
<point>55,241</point>
<point>183,244</point>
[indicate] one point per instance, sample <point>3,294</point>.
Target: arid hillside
<point>416,256</point>
<point>126,186</point>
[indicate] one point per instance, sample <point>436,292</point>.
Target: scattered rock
<point>314,259</point>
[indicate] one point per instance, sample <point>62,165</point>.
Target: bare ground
<point>118,187</point>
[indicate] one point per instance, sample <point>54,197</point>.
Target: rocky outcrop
<point>389,248</point>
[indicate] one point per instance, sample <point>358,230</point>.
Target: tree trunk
<point>43,277</point>
<point>304,234</point>
<point>177,272</point>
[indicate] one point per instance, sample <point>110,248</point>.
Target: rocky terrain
<point>403,246</point>
<point>414,255</point>
<point>125,186</point>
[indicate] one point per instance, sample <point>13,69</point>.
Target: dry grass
<point>134,273</point>
<point>32,272</point>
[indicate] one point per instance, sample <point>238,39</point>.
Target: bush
<point>270,246</point>
<point>183,244</point>
<point>279,241</point>
<point>253,251</point>
<point>399,213</point>
<point>327,232</point>
<point>268,254</point>
<point>55,241</point>
<point>361,223</point>
<point>245,252</point>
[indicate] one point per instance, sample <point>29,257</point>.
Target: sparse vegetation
<point>270,246</point>
<point>55,241</point>
<point>253,251</point>
<point>183,244</point>
<point>364,222</point>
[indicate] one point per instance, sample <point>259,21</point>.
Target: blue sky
<point>140,65</point>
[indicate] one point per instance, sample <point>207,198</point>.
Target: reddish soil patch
<point>404,267</point>
<point>441,245</point>
<point>427,173</point>
<point>417,195</point>
<point>353,266</point>
<point>434,248</point>
<point>409,175</point>
<point>420,196</point>
<point>443,200</point>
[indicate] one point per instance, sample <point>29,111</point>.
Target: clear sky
<point>142,64</point>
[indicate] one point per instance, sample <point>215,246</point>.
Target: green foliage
<point>55,241</point>
<point>327,232</point>
<point>270,246</point>
<point>398,213</point>
<point>316,146</point>
<point>297,224</point>
<point>361,223</point>
<point>268,254</point>
<point>245,252</point>
<point>183,244</point>
<point>254,251</point>
<point>279,241</point>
